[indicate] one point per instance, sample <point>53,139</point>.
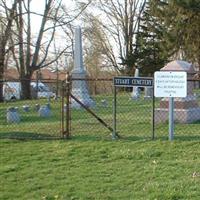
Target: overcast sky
<point>38,7</point>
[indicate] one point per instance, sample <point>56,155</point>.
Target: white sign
<point>170,84</point>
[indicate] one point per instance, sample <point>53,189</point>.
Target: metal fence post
<point>171,118</point>
<point>62,110</point>
<point>114,135</point>
<point>68,116</point>
<point>153,116</point>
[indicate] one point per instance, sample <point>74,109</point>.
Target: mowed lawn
<point>36,166</point>
<point>99,169</point>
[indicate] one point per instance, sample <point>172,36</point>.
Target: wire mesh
<point>38,117</point>
<point>134,114</point>
<point>186,114</point>
<point>134,110</point>
<point>97,96</point>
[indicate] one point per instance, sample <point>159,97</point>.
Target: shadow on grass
<point>187,138</point>
<point>181,138</point>
<point>27,136</point>
<point>135,138</point>
<point>86,138</point>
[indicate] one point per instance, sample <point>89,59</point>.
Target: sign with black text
<point>170,84</point>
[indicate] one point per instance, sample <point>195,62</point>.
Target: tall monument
<point>79,85</point>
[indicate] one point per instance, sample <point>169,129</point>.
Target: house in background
<point>44,83</point>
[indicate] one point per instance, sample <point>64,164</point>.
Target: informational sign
<point>132,81</point>
<point>170,84</point>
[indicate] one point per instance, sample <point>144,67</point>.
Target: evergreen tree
<point>151,50</point>
<point>180,18</point>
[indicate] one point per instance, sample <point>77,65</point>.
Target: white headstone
<point>44,111</point>
<point>26,108</point>
<point>148,92</point>
<point>13,115</point>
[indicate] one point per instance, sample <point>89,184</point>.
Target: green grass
<point>85,168</point>
<point>31,124</point>
<point>91,165</point>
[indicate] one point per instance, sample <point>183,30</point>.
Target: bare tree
<point>35,51</point>
<point>6,23</point>
<point>33,54</point>
<point>119,20</point>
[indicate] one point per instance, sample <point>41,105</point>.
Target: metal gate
<point>84,121</point>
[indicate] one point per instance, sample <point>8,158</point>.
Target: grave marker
<point>79,86</point>
<point>12,115</point>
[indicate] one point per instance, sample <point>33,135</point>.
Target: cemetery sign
<point>170,84</point>
<point>132,81</point>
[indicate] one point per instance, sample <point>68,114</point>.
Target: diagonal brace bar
<point>93,114</point>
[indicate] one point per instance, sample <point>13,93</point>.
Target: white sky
<point>37,6</point>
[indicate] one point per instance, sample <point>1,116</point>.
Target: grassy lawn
<point>31,125</point>
<point>91,165</point>
<point>91,169</point>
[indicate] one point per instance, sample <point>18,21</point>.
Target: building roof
<point>12,73</point>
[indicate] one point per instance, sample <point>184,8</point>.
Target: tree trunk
<point>1,73</point>
<point>26,87</point>
<point>1,85</point>
<point>3,42</point>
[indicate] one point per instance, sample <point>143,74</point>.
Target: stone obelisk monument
<point>79,87</point>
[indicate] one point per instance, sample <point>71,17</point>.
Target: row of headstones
<point>13,115</point>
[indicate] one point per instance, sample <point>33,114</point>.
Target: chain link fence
<point>139,116</point>
<point>186,114</point>
<point>134,113</point>
<point>35,118</point>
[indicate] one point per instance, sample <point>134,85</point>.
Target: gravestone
<point>79,86</point>
<point>13,115</point>
<point>136,91</point>
<point>26,108</point>
<point>186,109</point>
<point>44,111</point>
<point>148,92</point>
<point>37,107</point>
